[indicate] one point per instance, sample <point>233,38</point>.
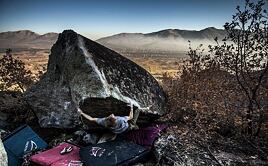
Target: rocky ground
<point>183,146</point>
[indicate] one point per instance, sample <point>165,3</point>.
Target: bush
<point>13,74</point>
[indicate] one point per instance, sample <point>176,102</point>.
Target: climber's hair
<point>110,121</point>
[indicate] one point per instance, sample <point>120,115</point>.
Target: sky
<point>100,18</point>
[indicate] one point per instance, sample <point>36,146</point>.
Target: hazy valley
<point>158,52</point>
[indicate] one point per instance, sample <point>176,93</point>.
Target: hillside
<point>164,40</point>
<point>26,39</point>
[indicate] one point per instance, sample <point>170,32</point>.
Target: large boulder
<point>99,80</point>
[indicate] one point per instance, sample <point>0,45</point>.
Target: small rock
<point>90,139</point>
<point>3,155</point>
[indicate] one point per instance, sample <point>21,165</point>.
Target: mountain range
<point>26,39</point>
<point>166,40</point>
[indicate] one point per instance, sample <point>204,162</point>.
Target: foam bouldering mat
<point>52,157</point>
<point>21,141</point>
<point>118,152</point>
<point>146,136</point>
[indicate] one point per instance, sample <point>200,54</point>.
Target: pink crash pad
<point>53,157</point>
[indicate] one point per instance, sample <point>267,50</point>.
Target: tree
<point>246,56</point>
<point>13,74</point>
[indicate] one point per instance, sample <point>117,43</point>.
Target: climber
<point>117,124</point>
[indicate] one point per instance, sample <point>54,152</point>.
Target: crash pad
<point>146,136</point>
<point>54,158</point>
<point>119,152</point>
<point>21,141</point>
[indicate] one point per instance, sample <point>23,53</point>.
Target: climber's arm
<point>87,116</point>
<point>130,116</point>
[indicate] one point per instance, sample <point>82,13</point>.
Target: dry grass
<point>157,66</point>
<point>34,60</point>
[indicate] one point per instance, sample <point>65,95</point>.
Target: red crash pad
<point>53,157</point>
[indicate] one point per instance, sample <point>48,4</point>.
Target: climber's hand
<point>79,111</point>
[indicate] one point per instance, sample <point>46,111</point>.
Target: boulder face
<point>84,73</point>
<point>14,111</point>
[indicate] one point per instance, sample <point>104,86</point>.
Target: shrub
<point>13,74</point>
